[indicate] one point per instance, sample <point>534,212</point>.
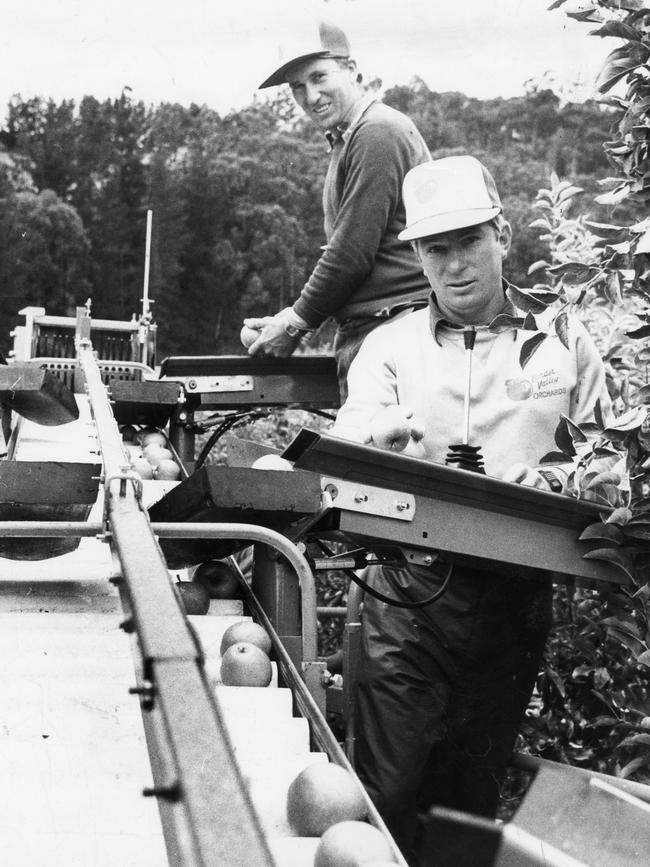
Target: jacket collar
<point>437,318</point>
<point>342,131</point>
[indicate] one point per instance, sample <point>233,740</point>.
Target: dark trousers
<point>442,690</point>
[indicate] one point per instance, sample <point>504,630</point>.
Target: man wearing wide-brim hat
<point>442,688</point>
<point>366,274</point>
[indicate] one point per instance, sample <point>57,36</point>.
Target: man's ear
<point>505,239</point>
<point>415,246</point>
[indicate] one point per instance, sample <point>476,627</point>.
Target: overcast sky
<point>217,51</point>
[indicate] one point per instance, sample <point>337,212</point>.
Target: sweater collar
<point>437,318</point>
<point>342,131</point>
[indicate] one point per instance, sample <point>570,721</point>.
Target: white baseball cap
<point>447,194</point>
<point>315,39</point>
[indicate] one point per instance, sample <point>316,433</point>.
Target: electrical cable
<point>223,428</point>
<point>377,594</point>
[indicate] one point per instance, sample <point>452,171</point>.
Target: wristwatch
<point>552,480</point>
<point>294,330</point>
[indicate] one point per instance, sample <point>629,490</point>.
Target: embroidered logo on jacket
<point>545,384</point>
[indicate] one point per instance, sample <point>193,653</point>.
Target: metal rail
<point>207,817</point>
<point>248,532</point>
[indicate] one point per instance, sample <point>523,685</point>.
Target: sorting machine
<point>113,700</point>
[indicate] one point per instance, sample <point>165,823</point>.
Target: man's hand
<point>395,428</point>
<point>273,338</point>
<point>532,477</point>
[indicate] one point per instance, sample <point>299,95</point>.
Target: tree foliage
<point>593,706</point>
<point>236,200</point>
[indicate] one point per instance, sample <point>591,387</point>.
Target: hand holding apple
<point>395,428</point>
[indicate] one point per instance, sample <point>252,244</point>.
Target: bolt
<point>169,792</point>
<point>427,560</point>
<point>147,693</point>
<point>191,384</point>
<point>402,506</point>
<point>128,625</point>
<point>360,497</point>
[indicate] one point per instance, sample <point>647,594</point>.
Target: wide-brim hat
<point>447,194</point>
<point>319,39</point>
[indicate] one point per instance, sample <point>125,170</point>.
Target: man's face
<point>464,270</point>
<point>324,90</point>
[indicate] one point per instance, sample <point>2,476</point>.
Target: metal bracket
<point>418,556</point>
<point>124,475</point>
<point>356,497</point>
<point>213,384</point>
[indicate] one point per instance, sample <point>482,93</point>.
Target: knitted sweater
<point>514,412</point>
<point>364,266</point>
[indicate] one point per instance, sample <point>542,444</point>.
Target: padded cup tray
<point>44,491</point>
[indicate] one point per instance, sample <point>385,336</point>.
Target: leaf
<point>504,322</point>
<point>617,28</point>
<point>601,677</point>
<point>607,532</point>
<point>628,421</point>
<point>529,322</point>
<point>541,263</point>
<point>556,4</point>
<point>563,439</point>
<point>562,328</point>
<point>632,766</point>
<point>607,230</point>
<point>634,740</point>
<point>638,530</point>
<point>620,63</point>
<point>610,555</point>
<point>606,478</point>
<point>530,347</point>
<point>621,516</point>
<point>574,273</point>
<point>568,193</point>
<point>525,301</point>
<point>643,331</point>
<point>598,414</point>
<point>554,458</point>
<point>644,658</point>
<point>557,681</point>
<point>576,434</point>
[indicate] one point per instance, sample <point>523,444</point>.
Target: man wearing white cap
<point>442,688</point>
<point>366,273</point>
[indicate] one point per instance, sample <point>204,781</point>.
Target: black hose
<point>377,594</point>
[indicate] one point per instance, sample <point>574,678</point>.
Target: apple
<point>142,467</point>
<point>166,470</point>
<point>194,598</point>
<point>219,579</point>
<point>322,795</point>
<point>156,454</point>
<point>394,427</point>
<point>246,631</point>
<point>352,844</point>
<point>248,336</point>
<point>272,462</point>
<point>244,664</point>
<point>152,435</point>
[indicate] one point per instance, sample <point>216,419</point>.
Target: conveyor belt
<point>81,749</point>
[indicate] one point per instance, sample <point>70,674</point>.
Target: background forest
<point>237,219</point>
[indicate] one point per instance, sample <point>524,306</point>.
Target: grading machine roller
<point>119,740</point>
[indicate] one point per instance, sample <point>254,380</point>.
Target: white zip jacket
<point>514,412</point>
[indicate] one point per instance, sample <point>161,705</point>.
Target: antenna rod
<point>469,335</point>
<point>147,256</point>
